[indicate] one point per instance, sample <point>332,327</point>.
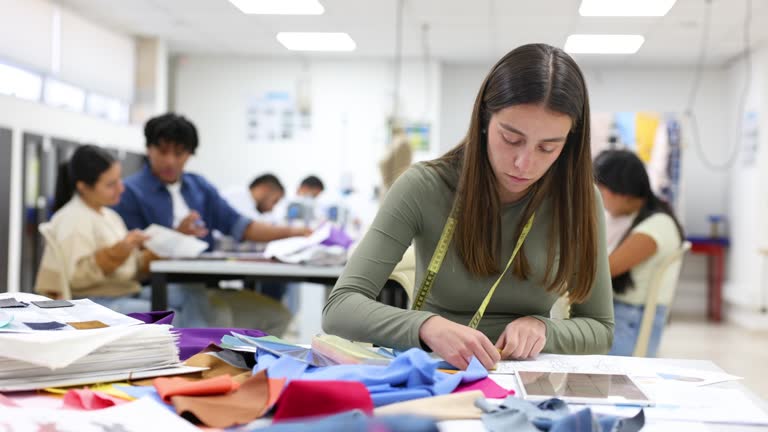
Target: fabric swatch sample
<point>6,401</point>
<point>354,421</point>
<point>85,325</point>
<point>551,415</point>
<point>488,386</point>
<point>454,406</point>
<point>85,399</point>
<point>252,400</point>
<point>316,398</point>
<point>109,389</point>
<point>411,375</point>
<point>192,340</point>
<point>218,364</point>
<point>52,325</point>
<point>177,386</point>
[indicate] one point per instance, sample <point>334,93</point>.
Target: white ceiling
<point>460,31</point>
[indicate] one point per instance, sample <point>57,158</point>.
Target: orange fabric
<point>255,398</point>
<point>169,387</point>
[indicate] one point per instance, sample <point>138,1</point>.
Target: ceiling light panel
<point>307,41</point>
<point>279,7</point>
<point>603,44</point>
<point>625,8</point>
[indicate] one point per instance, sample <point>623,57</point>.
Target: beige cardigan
<point>80,232</point>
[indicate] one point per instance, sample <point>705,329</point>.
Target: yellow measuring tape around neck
<point>439,255</point>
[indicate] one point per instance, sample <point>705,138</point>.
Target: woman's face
<point>107,189</point>
<point>617,204</point>
<point>523,142</point>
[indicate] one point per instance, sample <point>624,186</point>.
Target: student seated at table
<point>94,255</point>
<point>259,199</point>
<point>163,193</point>
<point>653,235</point>
<point>521,176</point>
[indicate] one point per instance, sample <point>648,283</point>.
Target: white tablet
<point>582,388</point>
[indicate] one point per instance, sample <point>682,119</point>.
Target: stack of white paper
<point>55,358</point>
<point>126,349</point>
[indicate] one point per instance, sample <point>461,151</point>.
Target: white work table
<point>205,270</point>
<point>652,423</point>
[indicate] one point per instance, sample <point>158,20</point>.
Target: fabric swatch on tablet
<point>52,325</point>
<point>86,325</point>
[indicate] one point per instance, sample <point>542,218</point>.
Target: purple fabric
<point>157,317</point>
<point>193,340</point>
<point>338,237</point>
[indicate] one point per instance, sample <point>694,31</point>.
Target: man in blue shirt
<point>162,193</point>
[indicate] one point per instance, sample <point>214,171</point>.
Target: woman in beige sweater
<point>93,255</point>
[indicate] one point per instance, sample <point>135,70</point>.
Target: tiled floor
<point>737,351</point>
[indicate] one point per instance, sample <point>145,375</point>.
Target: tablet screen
<point>582,388</point>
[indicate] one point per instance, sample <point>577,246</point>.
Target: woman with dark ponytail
<point>94,254</point>
<point>653,234</point>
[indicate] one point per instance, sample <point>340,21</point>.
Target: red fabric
<point>316,398</point>
<point>84,399</point>
<point>169,387</point>
<point>488,386</point>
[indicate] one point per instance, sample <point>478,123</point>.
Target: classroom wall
<point>51,39</point>
<point>746,287</point>
<point>350,102</point>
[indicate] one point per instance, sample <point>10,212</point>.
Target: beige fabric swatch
<point>454,406</point>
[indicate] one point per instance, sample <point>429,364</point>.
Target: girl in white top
<point>94,255</point>
<point>653,235</point>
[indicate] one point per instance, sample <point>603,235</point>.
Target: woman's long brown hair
<point>543,75</point>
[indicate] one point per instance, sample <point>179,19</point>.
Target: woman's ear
<point>80,187</point>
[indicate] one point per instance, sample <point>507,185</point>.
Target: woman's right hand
<point>457,343</point>
<point>133,240</point>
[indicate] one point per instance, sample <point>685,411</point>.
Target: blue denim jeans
<point>628,318</point>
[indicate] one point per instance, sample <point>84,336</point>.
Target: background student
<point>653,235</point>
<point>95,256</point>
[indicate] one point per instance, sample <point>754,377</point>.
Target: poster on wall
<point>653,136</point>
<point>275,116</point>
<point>416,134</point>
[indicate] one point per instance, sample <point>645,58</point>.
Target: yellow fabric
<point>646,125</point>
<point>104,388</point>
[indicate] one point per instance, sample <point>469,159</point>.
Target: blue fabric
<point>628,318</point>
<point>146,201</point>
<point>355,421</point>
<point>411,375</point>
<point>551,415</point>
<point>145,392</point>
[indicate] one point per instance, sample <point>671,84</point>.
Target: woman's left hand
<point>523,338</point>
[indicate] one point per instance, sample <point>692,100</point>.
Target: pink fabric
<point>488,386</point>
<point>84,399</point>
<point>7,402</point>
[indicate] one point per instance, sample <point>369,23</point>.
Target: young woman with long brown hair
<point>502,225</point>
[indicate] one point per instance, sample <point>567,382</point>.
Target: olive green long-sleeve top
<point>415,210</point>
